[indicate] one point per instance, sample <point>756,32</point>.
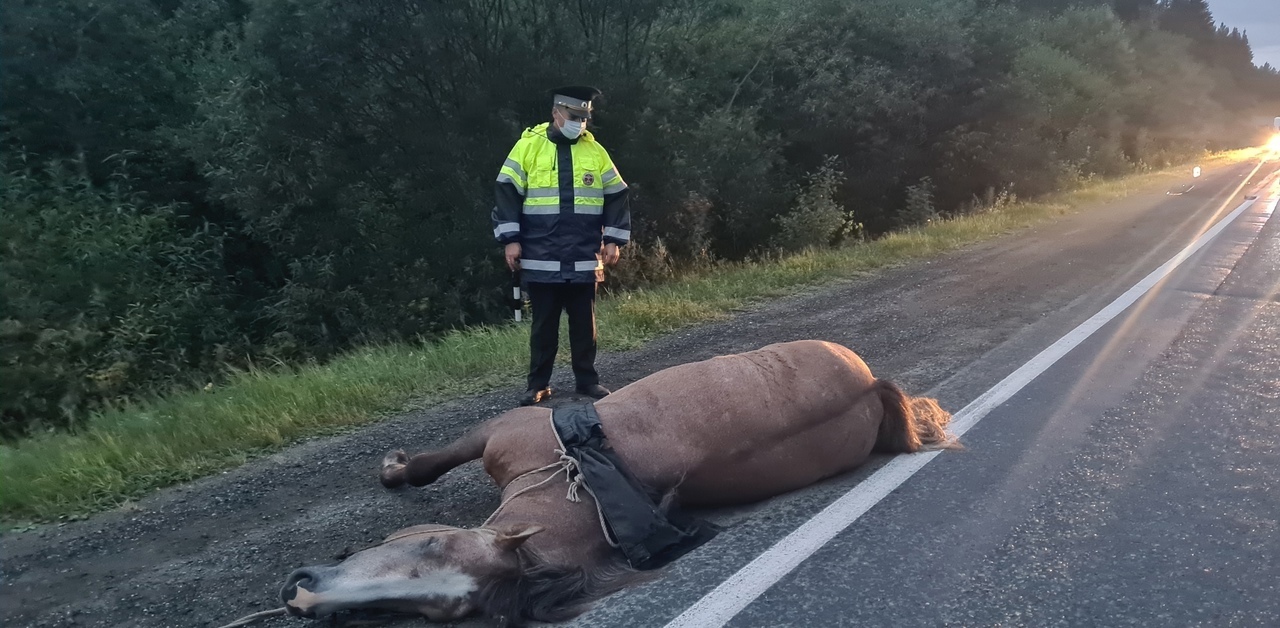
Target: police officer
<point>562,215</point>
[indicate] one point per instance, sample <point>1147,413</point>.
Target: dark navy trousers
<point>547,301</point>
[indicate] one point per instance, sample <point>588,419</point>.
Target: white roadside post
<point>517,300</point>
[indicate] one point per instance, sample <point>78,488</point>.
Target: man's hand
<point>611,254</point>
<point>513,255</point>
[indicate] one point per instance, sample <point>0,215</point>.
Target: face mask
<point>571,129</point>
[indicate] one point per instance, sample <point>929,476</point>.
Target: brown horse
<point>729,430</point>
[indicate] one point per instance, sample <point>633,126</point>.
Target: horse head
<point>440,572</point>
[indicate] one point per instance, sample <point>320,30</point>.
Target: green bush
<point>816,218</point>
<point>101,297</point>
<point>919,209</point>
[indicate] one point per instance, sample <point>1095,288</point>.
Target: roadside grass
<point>126,452</point>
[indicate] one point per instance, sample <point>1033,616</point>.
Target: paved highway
<point>1134,481</point>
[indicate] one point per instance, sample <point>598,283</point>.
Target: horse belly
<point>728,411</point>
<point>794,462</point>
<point>675,422</point>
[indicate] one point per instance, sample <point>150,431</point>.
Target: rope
<point>573,475</point>
<point>566,463</point>
<point>249,619</point>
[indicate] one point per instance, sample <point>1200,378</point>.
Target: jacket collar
<point>546,130</point>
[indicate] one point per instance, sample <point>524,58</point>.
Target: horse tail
<point>911,424</point>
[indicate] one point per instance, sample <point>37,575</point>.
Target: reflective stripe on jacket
<point>561,200</point>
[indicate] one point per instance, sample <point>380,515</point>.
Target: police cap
<point>575,97</point>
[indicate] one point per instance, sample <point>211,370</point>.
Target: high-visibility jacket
<point>562,200</point>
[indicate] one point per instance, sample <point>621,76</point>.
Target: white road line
<point>734,594</point>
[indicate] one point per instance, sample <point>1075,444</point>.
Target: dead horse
<point>729,430</point>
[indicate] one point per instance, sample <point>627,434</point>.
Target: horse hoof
<point>392,474</point>
<point>397,457</point>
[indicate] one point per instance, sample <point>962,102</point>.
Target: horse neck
<point>572,533</point>
<point>563,567</point>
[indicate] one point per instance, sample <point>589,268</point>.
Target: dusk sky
<point>1260,19</point>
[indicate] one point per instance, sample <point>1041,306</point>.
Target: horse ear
<point>513,536</point>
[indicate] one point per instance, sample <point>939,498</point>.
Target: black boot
<point>535,396</point>
<point>595,391</point>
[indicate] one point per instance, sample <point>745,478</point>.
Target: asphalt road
<point>1126,484</point>
<point>1131,483</point>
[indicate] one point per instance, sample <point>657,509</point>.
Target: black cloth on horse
<point>647,536</point>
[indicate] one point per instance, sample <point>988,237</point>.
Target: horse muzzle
<point>298,593</point>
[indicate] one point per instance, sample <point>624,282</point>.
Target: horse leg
<point>910,423</point>
<point>424,468</point>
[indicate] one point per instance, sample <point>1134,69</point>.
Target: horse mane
<point>540,591</point>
